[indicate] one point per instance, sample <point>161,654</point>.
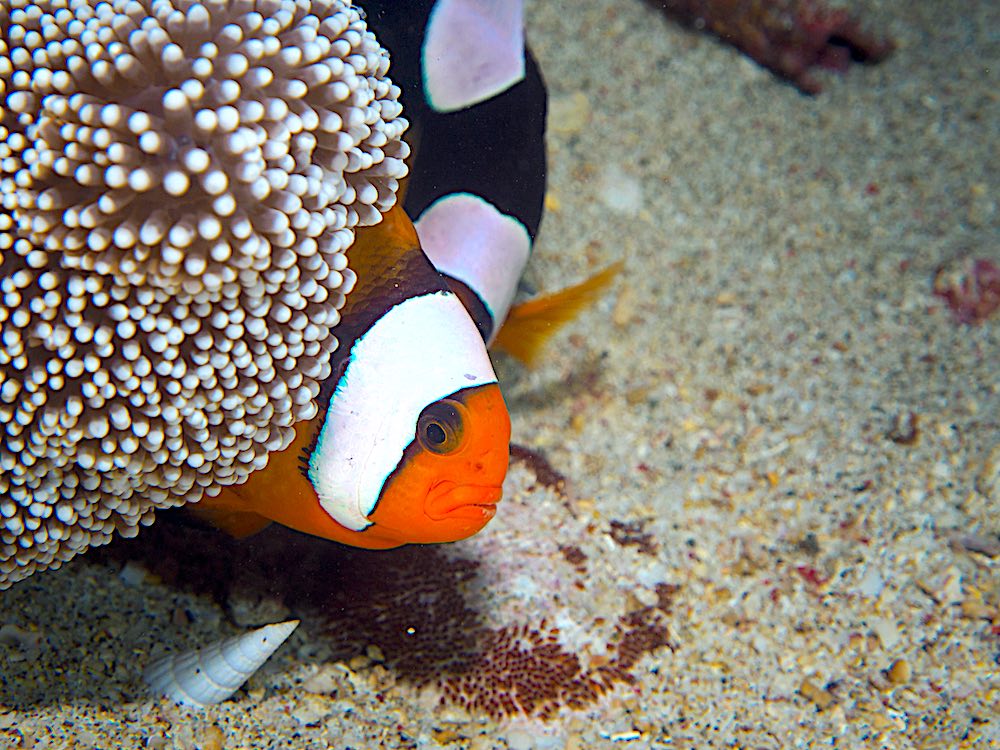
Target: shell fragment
<point>206,676</point>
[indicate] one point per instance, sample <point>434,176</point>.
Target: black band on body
<point>495,149</point>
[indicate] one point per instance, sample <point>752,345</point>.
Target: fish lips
<point>450,500</point>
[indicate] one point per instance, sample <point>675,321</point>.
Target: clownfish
<point>411,444</point>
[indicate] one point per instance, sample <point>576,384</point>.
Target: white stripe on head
<point>469,239</point>
<point>473,50</point>
<point>421,350</point>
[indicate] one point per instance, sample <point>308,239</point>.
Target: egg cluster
<point>179,182</point>
<point>422,612</point>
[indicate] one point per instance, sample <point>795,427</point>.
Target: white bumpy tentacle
<point>209,675</point>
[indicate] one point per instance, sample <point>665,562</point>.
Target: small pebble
<point>974,608</point>
<point>310,710</point>
<point>626,736</point>
<point>887,632</point>
<point>519,739</point>
<point>899,672</point>
<point>988,478</point>
<point>949,588</point>
<point>569,114</point>
<point>212,738</point>
<point>623,312</point>
<point>359,661</point>
<point>325,681</point>
<point>133,573</point>
<point>820,696</point>
<point>871,584</point>
<point>621,192</point>
<point>988,545</point>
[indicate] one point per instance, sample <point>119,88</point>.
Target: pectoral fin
<point>218,512</point>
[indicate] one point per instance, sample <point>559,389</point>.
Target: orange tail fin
<point>531,324</point>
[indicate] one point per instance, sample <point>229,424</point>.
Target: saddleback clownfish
<point>411,441</point>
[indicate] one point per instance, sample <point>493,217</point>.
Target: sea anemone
<point>180,181</point>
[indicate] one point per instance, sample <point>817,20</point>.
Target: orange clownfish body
<point>411,443</point>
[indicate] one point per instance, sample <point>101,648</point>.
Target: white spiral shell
<point>209,675</point>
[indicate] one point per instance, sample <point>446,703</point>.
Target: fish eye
<point>440,426</point>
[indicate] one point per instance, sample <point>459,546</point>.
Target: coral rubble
<point>789,37</point>
<point>970,287</point>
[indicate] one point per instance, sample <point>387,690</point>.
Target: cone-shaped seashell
<point>209,675</point>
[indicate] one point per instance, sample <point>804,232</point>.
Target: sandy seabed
<point>782,451</point>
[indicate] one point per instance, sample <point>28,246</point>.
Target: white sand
<point>736,394</point>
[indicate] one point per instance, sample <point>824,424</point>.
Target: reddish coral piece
<point>665,594</point>
<point>789,37</point>
<point>574,556</point>
<point>545,473</point>
<point>634,533</point>
<point>905,429</point>
<point>810,574</point>
<point>970,287</point>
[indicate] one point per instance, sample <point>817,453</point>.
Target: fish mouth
<point>473,501</point>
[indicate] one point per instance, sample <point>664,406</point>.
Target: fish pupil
<point>435,434</point>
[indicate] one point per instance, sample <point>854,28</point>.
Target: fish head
<point>450,478</point>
